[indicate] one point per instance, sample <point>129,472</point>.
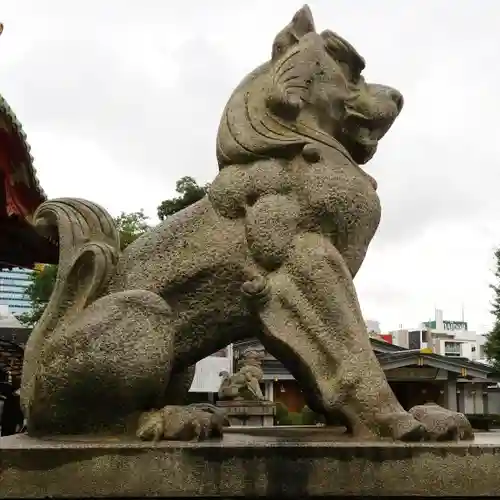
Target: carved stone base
<point>268,462</point>
<point>249,413</point>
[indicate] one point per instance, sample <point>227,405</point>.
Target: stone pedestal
<point>249,413</point>
<point>268,462</point>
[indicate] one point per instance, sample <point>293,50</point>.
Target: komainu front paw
<point>180,423</point>
<point>402,427</point>
<point>443,424</point>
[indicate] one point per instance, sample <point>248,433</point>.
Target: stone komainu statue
<point>245,383</point>
<point>272,249</point>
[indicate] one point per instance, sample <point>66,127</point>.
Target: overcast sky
<point>119,99</point>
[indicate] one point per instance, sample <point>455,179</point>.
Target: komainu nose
<point>382,92</point>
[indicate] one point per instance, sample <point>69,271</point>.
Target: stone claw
<point>402,427</point>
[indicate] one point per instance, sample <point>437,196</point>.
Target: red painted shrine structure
<point>20,196</point>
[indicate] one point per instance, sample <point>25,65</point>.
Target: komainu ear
<point>301,24</point>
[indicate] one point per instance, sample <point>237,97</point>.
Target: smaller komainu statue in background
<point>244,385</point>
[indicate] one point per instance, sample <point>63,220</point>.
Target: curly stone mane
<point>263,117</point>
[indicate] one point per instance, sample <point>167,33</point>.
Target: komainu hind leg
<point>313,323</point>
<point>95,363</point>
<point>99,372</point>
<point>109,372</point>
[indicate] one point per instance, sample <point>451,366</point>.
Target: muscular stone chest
<point>342,203</point>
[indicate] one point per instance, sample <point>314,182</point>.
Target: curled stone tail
<point>88,250</point>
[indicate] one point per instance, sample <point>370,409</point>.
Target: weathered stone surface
<point>272,251</point>
<point>295,463</point>
<point>249,413</point>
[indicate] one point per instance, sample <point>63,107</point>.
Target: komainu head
<point>311,91</point>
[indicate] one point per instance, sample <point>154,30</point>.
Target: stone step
<point>295,462</point>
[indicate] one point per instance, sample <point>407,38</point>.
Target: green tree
<point>492,345</point>
<point>130,226</point>
<point>39,291</point>
<point>190,192</point>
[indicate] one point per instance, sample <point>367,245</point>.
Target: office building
<point>445,337</point>
<point>13,285</point>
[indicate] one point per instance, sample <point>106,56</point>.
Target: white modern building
<point>445,337</point>
<point>13,285</point>
<point>372,326</point>
<point>453,338</point>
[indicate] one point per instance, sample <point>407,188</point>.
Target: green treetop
<point>492,346</point>
<point>190,192</point>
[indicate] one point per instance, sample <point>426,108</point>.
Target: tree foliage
<point>492,345</point>
<point>190,192</point>
<point>39,291</point>
<point>130,226</point>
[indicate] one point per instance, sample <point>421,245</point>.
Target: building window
<point>473,348</point>
<point>452,349</point>
<point>13,285</point>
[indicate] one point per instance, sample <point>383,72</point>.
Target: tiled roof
<point>387,353</point>
<point>15,124</point>
<point>385,346</point>
<point>387,357</point>
<point>377,345</point>
<point>21,244</point>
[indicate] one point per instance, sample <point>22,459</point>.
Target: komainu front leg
<point>313,323</point>
<point>99,372</point>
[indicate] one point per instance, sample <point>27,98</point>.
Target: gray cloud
<point>135,120</point>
